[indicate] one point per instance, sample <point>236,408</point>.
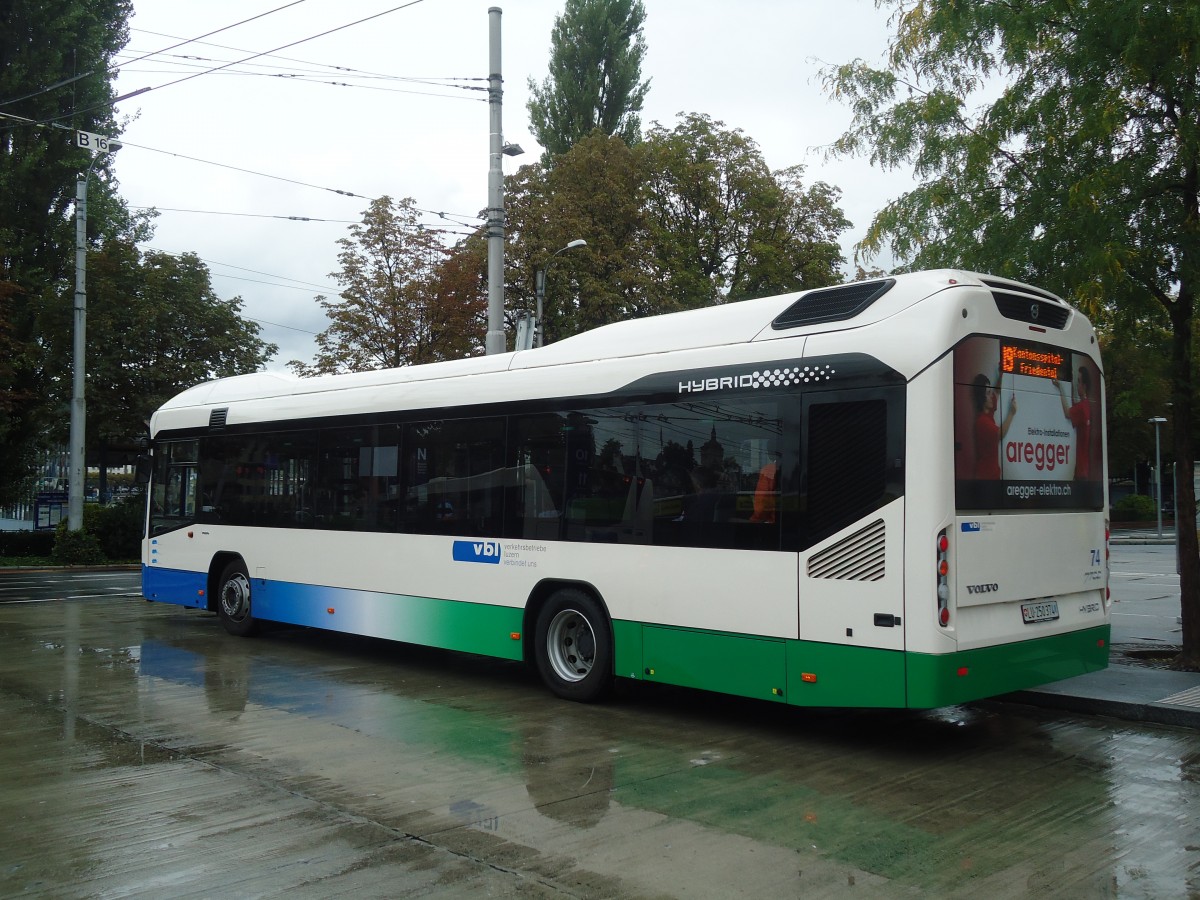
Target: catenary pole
<point>495,342</point>
<point>78,468</point>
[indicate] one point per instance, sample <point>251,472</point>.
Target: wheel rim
<point>571,645</point>
<point>235,597</point>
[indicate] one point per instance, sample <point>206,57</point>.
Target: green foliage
<point>42,44</point>
<point>117,526</point>
<point>1081,175</point>
<point>724,226</point>
<point>77,548</point>
<point>26,543</point>
<point>689,217</point>
<point>144,307</point>
<point>1137,377</point>
<point>110,533</point>
<point>1134,508</point>
<point>596,52</point>
<point>593,192</point>
<point>404,299</point>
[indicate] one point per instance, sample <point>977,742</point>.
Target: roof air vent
<point>832,304</point>
<point>1026,308</point>
<point>216,419</point>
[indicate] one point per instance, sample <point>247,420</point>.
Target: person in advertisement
<point>988,434</point>
<point>1079,414</point>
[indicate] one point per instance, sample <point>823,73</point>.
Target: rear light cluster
<point>1107,586</point>
<point>943,578</point>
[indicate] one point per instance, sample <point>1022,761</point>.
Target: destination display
<point>1028,420</point>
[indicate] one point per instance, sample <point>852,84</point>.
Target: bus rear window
<point>1028,427</point>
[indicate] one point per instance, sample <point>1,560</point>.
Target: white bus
<point>889,493</point>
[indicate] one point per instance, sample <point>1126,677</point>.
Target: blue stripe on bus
<point>175,586</point>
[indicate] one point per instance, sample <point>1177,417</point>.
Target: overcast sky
<point>753,64</point>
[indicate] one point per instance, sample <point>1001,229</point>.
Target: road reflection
<point>929,800</point>
<point>134,726</point>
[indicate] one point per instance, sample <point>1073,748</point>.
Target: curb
<point>1156,713</point>
<point>111,567</point>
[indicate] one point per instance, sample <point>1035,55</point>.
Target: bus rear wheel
<point>233,600</point>
<point>573,646</point>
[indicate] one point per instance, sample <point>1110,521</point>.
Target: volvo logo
<point>1034,308</point>
<point>982,588</point>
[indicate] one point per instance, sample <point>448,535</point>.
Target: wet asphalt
<point>146,753</point>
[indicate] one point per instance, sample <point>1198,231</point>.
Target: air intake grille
<point>1029,309</point>
<point>858,557</point>
<point>216,419</point>
<point>832,304</point>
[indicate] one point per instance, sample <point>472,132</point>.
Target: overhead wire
<point>350,71</point>
<point>181,42</point>
<point>310,72</point>
<point>255,281</point>
<point>295,43</point>
<point>314,79</point>
<point>211,262</point>
<point>47,89</point>
<point>312,37</point>
<point>196,40</point>
<point>217,212</point>
<point>248,215</point>
<point>441,214</point>
<point>305,76</point>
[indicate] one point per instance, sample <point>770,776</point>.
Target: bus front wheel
<point>574,646</point>
<point>233,600</point>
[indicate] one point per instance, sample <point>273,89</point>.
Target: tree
<point>690,217</point>
<point>724,226</point>
<point>596,52</point>
<point>157,327</point>
<point>391,311</point>
<point>55,60</point>
<point>1136,384</point>
<point>593,192</point>
<point>1083,175</point>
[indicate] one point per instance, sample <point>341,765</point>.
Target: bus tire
<point>233,600</point>
<point>573,647</point>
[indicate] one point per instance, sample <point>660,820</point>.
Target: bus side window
<point>357,485</point>
<point>540,457</point>
<point>454,477</point>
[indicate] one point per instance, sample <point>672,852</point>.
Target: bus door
<point>173,488</point>
<point>851,579</point>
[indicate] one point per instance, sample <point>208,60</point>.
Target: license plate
<point>1044,611</point>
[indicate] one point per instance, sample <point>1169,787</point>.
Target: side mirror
<point>143,467</point>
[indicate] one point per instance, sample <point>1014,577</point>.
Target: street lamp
<point>1156,421</point>
<point>540,284</point>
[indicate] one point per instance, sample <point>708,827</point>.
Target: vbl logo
<point>477,551</point>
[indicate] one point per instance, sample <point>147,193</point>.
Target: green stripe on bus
<point>731,664</point>
<point>808,673</point>
<point>974,674</point>
<point>836,675</point>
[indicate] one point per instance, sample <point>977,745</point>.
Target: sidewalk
<point>1122,691</point>
<point>1143,535</point>
<point>1126,690</point>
